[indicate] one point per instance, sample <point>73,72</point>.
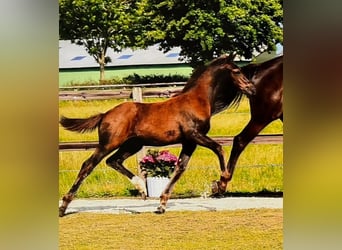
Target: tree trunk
<point>102,61</point>
<point>102,72</point>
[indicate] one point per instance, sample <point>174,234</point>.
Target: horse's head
<point>226,77</point>
<point>235,75</point>
<point>241,81</point>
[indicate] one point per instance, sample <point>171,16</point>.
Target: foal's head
<point>227,71</point>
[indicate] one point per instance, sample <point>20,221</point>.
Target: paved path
<point>117,206</point>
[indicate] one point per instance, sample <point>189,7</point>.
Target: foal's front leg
<point>183,160</point>
<point>207,142</point>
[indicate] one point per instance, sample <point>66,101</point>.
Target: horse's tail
<point>81,124</point>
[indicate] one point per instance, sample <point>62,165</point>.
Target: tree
<point>99,25</point>
<point>205,29</point>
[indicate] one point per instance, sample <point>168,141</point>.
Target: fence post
<point>137,97</point>
<point>137,94</point>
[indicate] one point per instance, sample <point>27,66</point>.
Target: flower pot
<point>156,185</point>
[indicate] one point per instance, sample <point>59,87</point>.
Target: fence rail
<point>225,141</point>
<point>113,94</point>
<point>119,91</point>
<point>120,86</point>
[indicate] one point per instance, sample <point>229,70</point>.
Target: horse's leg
<point>240,142</point>
<point>183,160</point>
<point>86,169</point>
<point>129,148</point>
<point>207,142</point>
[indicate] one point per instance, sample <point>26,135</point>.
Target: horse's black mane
<point>192,80</point>
<point>199,71</point>
<point>225,95</point>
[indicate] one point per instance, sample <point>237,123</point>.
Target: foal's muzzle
<point>248,88</point>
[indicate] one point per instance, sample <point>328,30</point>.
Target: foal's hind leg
<point>86,169</point>
<point>183,160</point>
<point>129,148</point>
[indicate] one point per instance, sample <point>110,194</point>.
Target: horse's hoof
<point>140,186</point>
<point>61,212</point>
<point>160,210</point>
<point>216,192</point>
<point>215,187</point>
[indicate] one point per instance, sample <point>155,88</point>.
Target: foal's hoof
<point>61,211</point>
<point>143,196</point>
<point>160,210</point>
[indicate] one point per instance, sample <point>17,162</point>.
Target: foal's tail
<point>81,125</point>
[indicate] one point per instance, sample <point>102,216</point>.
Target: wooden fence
<point>119,91</point>
<point>225,141</point>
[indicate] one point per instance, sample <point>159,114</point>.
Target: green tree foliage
<point>101,24</point>
<point>205,29</point>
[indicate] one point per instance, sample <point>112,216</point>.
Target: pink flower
<point>167,157</point>
<point>157,163</point>
<point>148,158</point>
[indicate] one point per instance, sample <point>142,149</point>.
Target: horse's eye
<point>236,71</point>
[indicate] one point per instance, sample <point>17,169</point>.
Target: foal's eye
<point>236,71</point>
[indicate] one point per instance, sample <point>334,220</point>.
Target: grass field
<point>259,167</point>
<point>241,229</point>
<point>80,76</point>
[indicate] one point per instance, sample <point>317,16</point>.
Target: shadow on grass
<point>263,193</point>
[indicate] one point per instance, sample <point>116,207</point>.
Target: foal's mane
<point>225,95</point>
<point>193,79</point>
<point>201,69</point>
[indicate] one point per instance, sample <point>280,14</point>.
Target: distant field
<point>92,75</point>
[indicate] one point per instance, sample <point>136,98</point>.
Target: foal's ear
<point>231,56</point>
<point>228,67</point>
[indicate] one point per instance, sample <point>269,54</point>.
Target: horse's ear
<point>231,56</point>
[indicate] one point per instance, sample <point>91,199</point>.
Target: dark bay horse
<point>265,106</point>
<point>184,119</point>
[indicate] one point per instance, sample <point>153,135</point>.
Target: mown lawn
<point>240,229</point>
